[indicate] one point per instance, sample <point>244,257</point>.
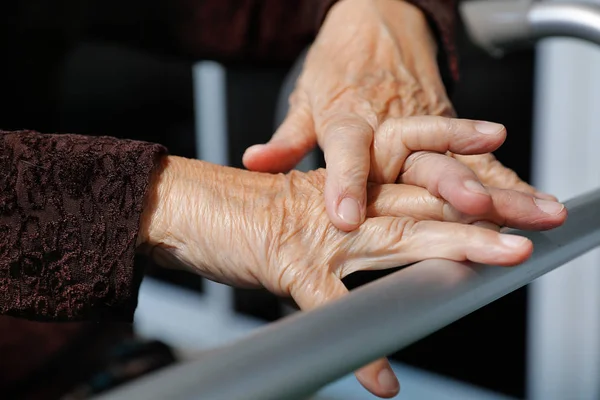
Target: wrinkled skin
<point>372,64</point>
<point>251,229</point>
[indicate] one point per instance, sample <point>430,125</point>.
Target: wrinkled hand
<point>252,229</point>
<point>373,63</point>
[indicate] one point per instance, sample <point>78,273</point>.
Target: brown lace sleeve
<point>69,212</point>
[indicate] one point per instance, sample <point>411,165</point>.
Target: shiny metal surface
<point>293,358</point>
<point>499,25</point>
<point>581,21</point>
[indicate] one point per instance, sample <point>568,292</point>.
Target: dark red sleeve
<point>274,29</point>
<point>243,31</point>
<point>260,30</point>
<point>442,14</point>
<point>69,214</point>
<point>266,31</point>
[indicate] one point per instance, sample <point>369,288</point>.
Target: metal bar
<point>293,358</point>
<point>581,21</point>
<point>563,319</point>
<point>495,25</point>
<point>500,25</point>
<point>212,145</point>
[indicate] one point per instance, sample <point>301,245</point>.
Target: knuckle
<point>389,129</point>
<point>317,179</point>
<point>387,135</point>
<point>349,174</point>
<point>345,129</point>
<point>416,159</point>
<point>402,228</point>
<point>450,126</point>
<point>301,280</point>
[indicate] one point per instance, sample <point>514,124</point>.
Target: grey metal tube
<point>295,357</point>
<point>580,21</point>
<point>500,25</point>
<point>495,25</point>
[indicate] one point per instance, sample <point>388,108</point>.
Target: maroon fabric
<point>266,31</point>
<point>269,30</point>
<point>443,14</point>
<point>25,346</point>
<point>69,214</point>
<point>275,29</point>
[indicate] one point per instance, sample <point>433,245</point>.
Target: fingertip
<point>545,196</point>
<point>549,207</point>
<point>379,379</point>
<point>514,241</point>
<point>489,128</point>
<point>254,149</point>
<point>388,383</point>
<point>348,214</point>
<point>476,188</point>
<point>519,247</point>
<point>272,157</point>
<point>349,211</point>
<point>250,153</point>
<point>346,206</point>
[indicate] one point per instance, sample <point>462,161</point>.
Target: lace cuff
<point>69,214</point>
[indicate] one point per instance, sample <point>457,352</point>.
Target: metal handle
<point>499,26</point>
<point>294,357</point>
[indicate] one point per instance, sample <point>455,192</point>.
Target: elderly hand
<point>373,63</point>
<point>253,229</point>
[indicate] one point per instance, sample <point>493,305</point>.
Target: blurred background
<point>97,86</point>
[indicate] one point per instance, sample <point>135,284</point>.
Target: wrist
<point>407,23</point>
<point>151,220</point>
<point>195,209</point>
<point>402,22</point>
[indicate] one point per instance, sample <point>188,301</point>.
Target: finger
<point>317,288</point>
<point>290,143</point>
<point>510,208</point>
<point>520,210</point>
<point>398,241</point>
<point>491,172</point>
<point>395,139</point>
<point>379,379</point>
<point>345,143</point>
<point>446,177</point>
<point>487,225</point>
<point>400,200</point>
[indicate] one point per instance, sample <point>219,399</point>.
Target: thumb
<point>290,143</point>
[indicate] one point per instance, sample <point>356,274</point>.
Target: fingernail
<point>545,196</point>
<point>349,211</point>
<point>513,240</point>
<point>387,380</point>
<point>476,187</point>
<point>488,128</point>
<point>254,148</point>
<point>549,207</point>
